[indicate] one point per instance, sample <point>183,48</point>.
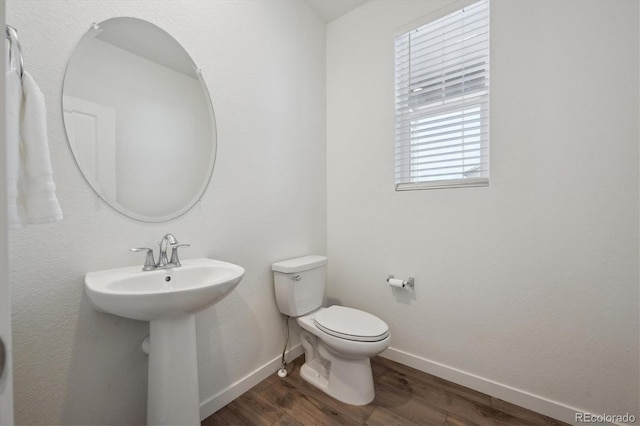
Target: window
<point>442,101</point>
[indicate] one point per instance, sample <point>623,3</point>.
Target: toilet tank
<point>299,284</point>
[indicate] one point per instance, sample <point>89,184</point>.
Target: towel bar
<point>15,48</point>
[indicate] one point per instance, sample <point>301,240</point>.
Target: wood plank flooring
<point>404,396</point>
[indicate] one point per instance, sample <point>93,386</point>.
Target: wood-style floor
<point>404,396</point>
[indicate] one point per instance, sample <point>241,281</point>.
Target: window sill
<point>443,184</point>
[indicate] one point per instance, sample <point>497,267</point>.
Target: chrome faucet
<point>162,256</point>
<point>163,262</point>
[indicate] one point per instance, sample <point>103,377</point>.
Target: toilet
<point>337,341</point>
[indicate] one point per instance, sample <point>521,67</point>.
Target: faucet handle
<point>149,262</point>
<point>174,254</point>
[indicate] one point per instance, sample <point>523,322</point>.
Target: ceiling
<point>333,9</point>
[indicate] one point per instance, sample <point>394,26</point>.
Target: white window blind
<point>442,101</point>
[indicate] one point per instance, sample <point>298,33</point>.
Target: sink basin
<point>169,299</point>
<point>147,295</point>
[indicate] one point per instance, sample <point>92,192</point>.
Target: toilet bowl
<point>338,341</point>
<point>348,377</point>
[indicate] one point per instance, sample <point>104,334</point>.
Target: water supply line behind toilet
<point>283,370</point>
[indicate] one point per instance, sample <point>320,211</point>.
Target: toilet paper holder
<point>395,282</point>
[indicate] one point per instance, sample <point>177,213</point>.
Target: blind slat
<point>470,39</point>
<point>446,163</point>
<point>425,139</point>
<point>420,149</point>
<point>449,23</point>
<point>409,68</point>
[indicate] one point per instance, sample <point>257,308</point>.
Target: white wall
<point>531,283</point>
<point>264,65</point>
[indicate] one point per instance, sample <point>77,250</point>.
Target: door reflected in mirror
<point>139,119</point>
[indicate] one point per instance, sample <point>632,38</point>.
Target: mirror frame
<point>212,122</point>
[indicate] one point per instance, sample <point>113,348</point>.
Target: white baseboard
<point>537,403</point>
<point>222,398</point>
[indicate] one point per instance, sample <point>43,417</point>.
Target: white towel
<point>13,88</point>
<point>31,191</point>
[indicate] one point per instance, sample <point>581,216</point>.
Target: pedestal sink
<point>169,299</point>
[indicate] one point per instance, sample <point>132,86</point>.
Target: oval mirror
<point>139,119</point>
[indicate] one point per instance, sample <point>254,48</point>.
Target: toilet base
<point>349,381</point>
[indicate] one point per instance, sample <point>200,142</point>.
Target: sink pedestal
<point>173,393</point>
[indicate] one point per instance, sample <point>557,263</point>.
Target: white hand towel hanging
<point>13,88</point>
<point>31,192</point>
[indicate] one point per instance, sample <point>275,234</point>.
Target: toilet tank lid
<point>299,264</point>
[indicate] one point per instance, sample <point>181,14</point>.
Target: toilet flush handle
<point>296,277</point>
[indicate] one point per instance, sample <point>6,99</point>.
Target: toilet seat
<point>351,324</point>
